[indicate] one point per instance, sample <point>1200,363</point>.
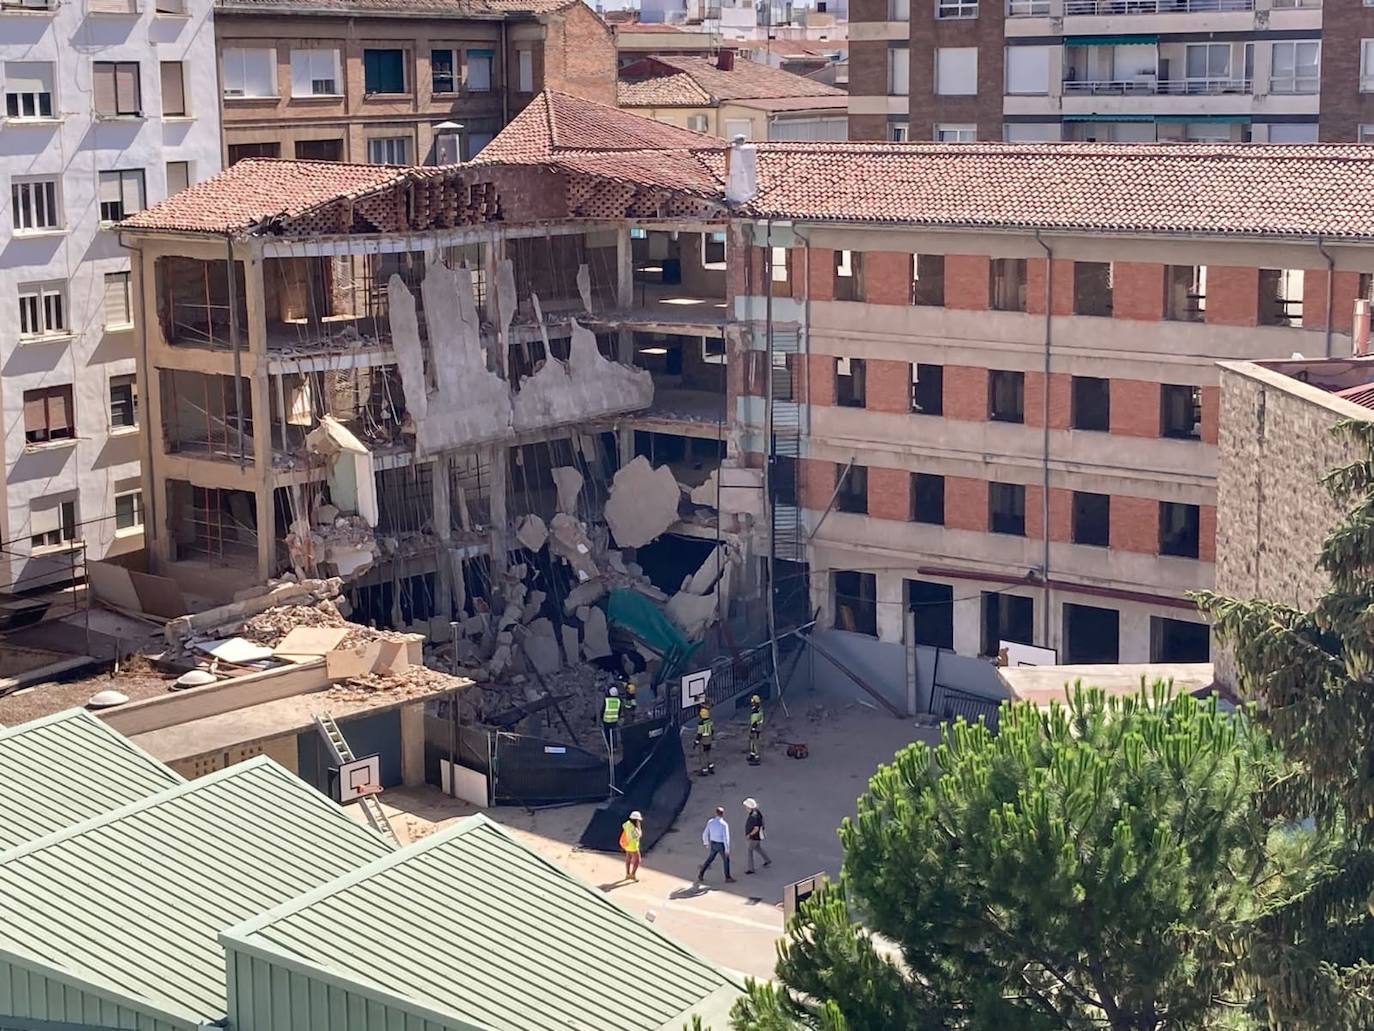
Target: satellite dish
<point>106,700</point>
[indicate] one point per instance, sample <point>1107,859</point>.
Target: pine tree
<point>1312,672</point>
<point>1089,866</point>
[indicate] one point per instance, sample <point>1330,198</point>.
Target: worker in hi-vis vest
<point>706,735</point>
<point>631,831</point>
<point>755,729</point>
<point>610,718</point>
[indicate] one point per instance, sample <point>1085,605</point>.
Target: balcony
<point>1154,87</point>
<point>1118,7</point>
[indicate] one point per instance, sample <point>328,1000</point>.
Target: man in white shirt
<point>716,837</point>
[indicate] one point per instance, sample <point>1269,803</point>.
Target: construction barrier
<point>658,788</point>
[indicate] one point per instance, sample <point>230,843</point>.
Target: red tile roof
<point>832,104</point>
<point>686,79</point>
<point>1362,395</point>
<point>676,90</point>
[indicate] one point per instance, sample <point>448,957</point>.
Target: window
<point>849,382</point>
<point>1032,132</point>
<point>1007,508</point>
<point>778,264</point>
<point>1008,284</point>
<point>1006,617</point>
<point>441,71</point>
<point>1091,403</point>
<point>52,526</point>
<point>524,71</point>
<point>956,71</point>
<point>123,402</point>
<point>1092,288</point>
<point>315,73</point>
<point>849,268</point>
<point>48,414</point>
<point>319,150</point>
<point>928,389</point>
<point>388,150</point>
<point>1028,8</point>
<point>1367,66</point>
<point>1091,519</point>
<point>1028,71</point>
<point>956,8</point>
<point>698,123</point>
<point>477,74</point>
<point>928,280</point>
<point>1207,66</point>
<point>739,128</point>
<point>119,308</point>
<point>178,176</point>
<point>928,498</point>
<point>250,73</point>
<point>121,194</point>
<point>1091,634</point>
<point>713,350</point>
<point>856,602</point>
<point>1293,132</point>
<point>1006,396</point>
<point>239,151</point>
<point>384,71</point>
<point>1296,67</point>
<point>713,250</point>
<point>117,90</point>
<point>476,141</point>
<point>1178,640</point>
<point>932,609</point>
<point>1185,292</point>
<point>1180,411</point>
<point>946,133</point>
<point>34,204</point>
<point>853,492</point>
<point>1178,529</point>
<point>898,10</point>
<point>1366,134</point>
<point>173,89</point>
<point>28,89</point>
<point>128,511</point>
<point>42,310</point>
<point>898,71</point>
<point>169,6</point>
<point>1280,297</point>
<point>898,132</point>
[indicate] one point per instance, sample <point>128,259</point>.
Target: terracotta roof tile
<point>747,80</point>
<point>678,90</point>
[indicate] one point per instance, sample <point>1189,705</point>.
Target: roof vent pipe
<point>741,171</point>
<point>1360,333</point>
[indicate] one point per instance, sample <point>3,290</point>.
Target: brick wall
<point>888,386</point>
<point>815,378</point>
<point>1061,301</point>
<point>887,277</point>
<point>1232,295</point>
<point>820,279</point>
<point>1134,524</point>
<point>1035,511</point>
<point>889,493</point>
<point>1345,288</point>
<point>815,482</point>
<point>1061,514</point>
<point>1061,399</point>
<point>966,392</point>
<point>966,281</point>
<point>966,503</point>
<point>579,54</point>
<point>1138,290</point>
<point>927,108</point>
<point>1134,408</point>
<point>866,127</point>
<point>1211,403</point>
<point>1207,533</point>
<point>1345,23</point>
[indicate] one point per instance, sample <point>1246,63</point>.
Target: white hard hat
<point>613,693</point>
<point>749,803</point>
<point>636,815</point>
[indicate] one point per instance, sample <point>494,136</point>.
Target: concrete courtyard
<point>735,925</point>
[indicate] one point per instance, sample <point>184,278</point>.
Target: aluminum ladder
<point>341,754</point>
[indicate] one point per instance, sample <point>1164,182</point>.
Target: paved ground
<point>804,801</point>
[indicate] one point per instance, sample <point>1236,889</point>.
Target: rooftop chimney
<point>726,61</point>
<point>741,171</point>
<point>1360,334</point>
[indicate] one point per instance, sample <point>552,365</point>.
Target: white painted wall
<point>75,147</point>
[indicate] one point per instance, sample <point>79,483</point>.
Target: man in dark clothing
<point>753,834</point>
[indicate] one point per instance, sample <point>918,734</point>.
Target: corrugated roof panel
<point>132,903</point>
<point>475,927</point>
<point>67,768</point>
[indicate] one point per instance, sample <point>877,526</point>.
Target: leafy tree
<point>1312,672</point>
<point>1089,866</point>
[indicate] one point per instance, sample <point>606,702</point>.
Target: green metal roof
<point>470,929</point>
<point>66,768</point>
<point>128,906</point>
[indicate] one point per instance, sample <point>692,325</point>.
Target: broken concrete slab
<point>643,503</point>
<point>505,296</point>
<point>342,663</point>
<point>569,541</point>
<point>571,647</point>
<point>311,640</point>
<point>583,594</point>
<point>532,533</point>
<point>587,386</point>
<point>707,573</point>
<point>692,613</point>
<point>596,639</point>
<point>568,481</point>
<point>584,285</point>
<point>541,646</point>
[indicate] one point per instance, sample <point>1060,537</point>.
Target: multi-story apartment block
<point>979,382</point>
<point>104,114</point>
<point>1125,71</point>
<point>403,83</point>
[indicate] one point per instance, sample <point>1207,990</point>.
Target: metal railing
<point>950,703</point>
<point>1091,7</point>
<point>1154,87</point>
<point>1279,5</point>
<point>730,677</point>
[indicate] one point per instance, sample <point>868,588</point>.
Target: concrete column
<point>253,335</point>
<point>413,744</point>
<point>443,608</point>
<point>500,486</point>
<point>625,269</point>
<point>821,600</point>
<point>891,607</point>
<point>968,613</point>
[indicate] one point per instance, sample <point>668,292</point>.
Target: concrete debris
<point>584,594</point>
<point>541,646</point>
<point>505,297</point>
<point>740,491</point>
<point>596,642</point>
<point>692,613</point>
<point>326,514</point>
<point>534,603</point>
<point>347,546</point>
<point>643,503</point>
<point>572,652</point>
<point>532,533</point>
<point>587,386</point>
<point>568,540</point>
<point>286,592</point>
<point>568,481</point>
<point>413,681</point>
<point>352,478</point>
<point>584,285</point>
<point>708,573</point>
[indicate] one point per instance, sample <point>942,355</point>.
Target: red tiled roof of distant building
<point>678,90</point>
<point>745,80</point>
<point>258,189</point>
<point>1363,395</point>
<point>840,103</point>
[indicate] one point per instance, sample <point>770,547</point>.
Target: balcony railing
<point>1077,7</point>
<point>1291,4</point>
<point>1028,8</point>
<point>1151,87</point>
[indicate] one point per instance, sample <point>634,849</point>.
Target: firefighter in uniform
<point>631,702</point>
<point>706,733</point>
<point>755,729</point>
<point>610,719</point>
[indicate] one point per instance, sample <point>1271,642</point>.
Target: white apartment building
<point>109,106</point>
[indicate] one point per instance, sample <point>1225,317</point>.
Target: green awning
<point>646,620</point>
<point>1126,39</point>
<point>1110,118</point>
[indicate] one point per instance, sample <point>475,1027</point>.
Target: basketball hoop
<point>359,790</point>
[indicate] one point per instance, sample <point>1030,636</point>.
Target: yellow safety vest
<point>704,731</point>
<point>611,714</point>
<point>629,836</point>
<point>755,719</point>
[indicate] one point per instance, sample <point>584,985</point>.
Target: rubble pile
<point>412,682</point>
<point>268,628</point>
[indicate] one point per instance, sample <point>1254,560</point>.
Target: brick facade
<point>815,482</point>
<point>887,386</point>
<point>1035,511</point>
<point>926,108</point>
<point>889,493</point>
<point>820,275</point>
<point>1343,106</point>
<point>1211,413</point>
<point>1138,290</point>
<point>1232,295</point>
<point>1061,514</point>
<point>1134,408</point>
<point>1061,399</point>
<point>1345,289</point>
<point>1061,300</point>
<point>815,378</point>
<point>887,277</point>
<point>1207,533</point>
<point>966,503</point>
<point>967,281</point>
<point>966,392</point>
<point>1134,524</point>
